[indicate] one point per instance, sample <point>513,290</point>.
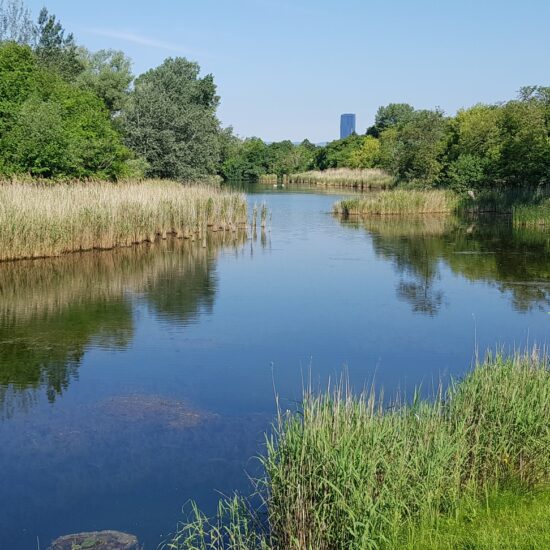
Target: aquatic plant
<point>38,220</point>
<point>368,178</point>
<point>348,471</point>
<point>532,215</point>
<point>399,201</point>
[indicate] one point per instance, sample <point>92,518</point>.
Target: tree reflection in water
<point>484,249</point>
<point>53,310</point>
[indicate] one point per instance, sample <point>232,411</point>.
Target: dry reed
<point>38,220</point>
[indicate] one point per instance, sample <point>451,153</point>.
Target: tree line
<point>501,145</point>
<point>66,112</point>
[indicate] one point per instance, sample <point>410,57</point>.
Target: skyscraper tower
<point>347,125</point>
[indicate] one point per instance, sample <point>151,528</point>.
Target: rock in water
<point>97,540</point>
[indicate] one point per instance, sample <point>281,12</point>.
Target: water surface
<point>136,379</point>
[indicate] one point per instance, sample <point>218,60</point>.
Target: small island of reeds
<point>399,201</point>
<point>367,178</point>
<point>45,219</point>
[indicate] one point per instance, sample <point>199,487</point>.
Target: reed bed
<point>38,220</point>
<point>349,472</point>
<point>369,178</point>
<point>532,216</point>
<point>399,202</point>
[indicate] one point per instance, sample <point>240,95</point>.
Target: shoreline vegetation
<point>44,220</point>
<point>530,210</point>
<point>366,178</point>
<point>348,471</point>
<point>399,202</point>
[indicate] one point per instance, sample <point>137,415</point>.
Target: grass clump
<point>349,472</point>
<point>38,220</point>
<point>368,178</point>
<point>399,202</point>
<point>532,216</point>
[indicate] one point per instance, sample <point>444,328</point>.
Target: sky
<point>287,69</point>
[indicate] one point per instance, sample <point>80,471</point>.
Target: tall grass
<point>345,177</point>
<point>348,472</point>
<point>38,220</point>
<point>399,201</point>
<point>532,216</point>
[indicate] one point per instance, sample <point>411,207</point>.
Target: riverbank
<point>350,471</point>
<point>369,178</point>
<point>41,220</point>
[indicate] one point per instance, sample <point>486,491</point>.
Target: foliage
<point>348,471</point>
<point>170,120</point>
<point>56,50</point>
<point>414,150</point>
<point>367,155</point>
<point>50,128</point>
<point>16,24</point>
<point>394,114</point>
<point>107,74</point>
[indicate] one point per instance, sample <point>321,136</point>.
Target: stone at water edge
<point>97,540</point>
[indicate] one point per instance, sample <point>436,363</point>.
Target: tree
<point>415,150</point>
<point>170,120</point>
<point>247,160</point>
<point>474,147</point>
<point>394,114</point>
<point>49,127</point>
<point>16,24</point>
<point>337,154</point>
<point>108,74</point>
<point>525,143</point>
<point>54,49</point>
<point>367,155</point>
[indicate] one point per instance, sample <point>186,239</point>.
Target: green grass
<point>39,220</point>
<point>348,472</point>
<point>511,520</point>
<point>532,215</point>
<point>399,202</point>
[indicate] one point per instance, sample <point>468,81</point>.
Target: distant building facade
<point>347,125</point>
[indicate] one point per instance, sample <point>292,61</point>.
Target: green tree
<point>170,120</point>
<point>108,74</point>
<point>338,153</point>
<point>525,143</point>
<point>55,49</point>
<point>394,114</point>
<point>248,160</point>
<point>415,150</point>
<point>367,155</point>
<point>16,24</point>
<point>50,128</point>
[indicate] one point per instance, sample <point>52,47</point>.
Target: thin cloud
<point>141,40</point>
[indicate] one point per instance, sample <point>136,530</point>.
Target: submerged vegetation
<point>38,220</point>
<point>349,471</point>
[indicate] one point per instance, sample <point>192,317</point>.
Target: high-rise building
<point>347,125</point>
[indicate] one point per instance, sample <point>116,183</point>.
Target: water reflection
<point>485,249</point>
<point>53,310</point>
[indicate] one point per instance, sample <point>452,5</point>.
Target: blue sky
<point>286,69</point>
